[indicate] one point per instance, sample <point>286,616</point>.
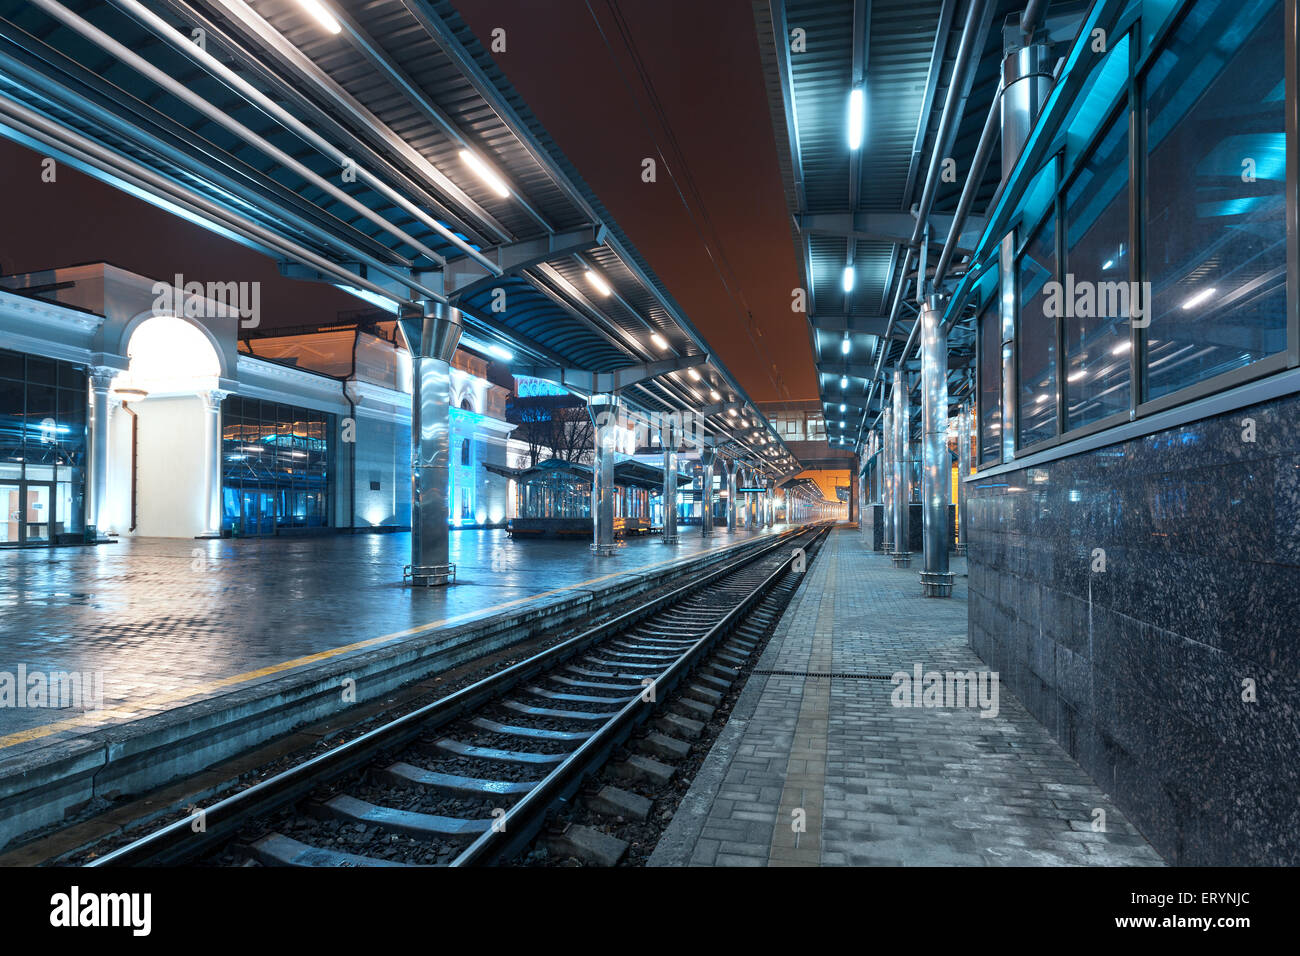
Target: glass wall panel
<point>1035,267</point>
<point>275,471</point>
<point>43,444</point>
<point>1216,202</point>
<point>1096,293</point>
<point>990,374</point>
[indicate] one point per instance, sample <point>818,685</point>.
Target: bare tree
<point>535,428</point>
<point>574,435</point>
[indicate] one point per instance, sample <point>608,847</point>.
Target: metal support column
<point>603,409</point>
<point>936,463</point>
<point>668,438</point>
<point>887,478</point>
<point>1026,81</point>
<point>732,467</point>
<point>431,338</point>
<point>707,456</point>
<point>902,476</point>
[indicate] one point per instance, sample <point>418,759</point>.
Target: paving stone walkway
<point>876,784</point>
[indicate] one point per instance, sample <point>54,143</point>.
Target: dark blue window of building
<point>275,466</point>
<point>43,421</point>
<point>1036,267</point>
<point>1097,259</point>
<point>990,374</point>
<point>1216,193</point>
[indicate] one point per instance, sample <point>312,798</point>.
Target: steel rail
<point>177,841</point>
<point>521,822</point>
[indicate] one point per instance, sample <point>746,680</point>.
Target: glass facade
<point>275,466</point>
<point>1097,260</point>
<point>1173,227</point>
<point>1216,193</point>
<point>990,381</point>
<point>43,449</point>
<point>1036,333</point>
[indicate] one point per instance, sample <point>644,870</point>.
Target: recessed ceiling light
<point>323,16</point>
<point>497,184</point>
<point>597,283</point>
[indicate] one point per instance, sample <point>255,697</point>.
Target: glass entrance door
<point>26,513</point>
<point>258,513</point>
<point>39,523</point>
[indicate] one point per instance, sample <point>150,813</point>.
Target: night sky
<point>701,60</point>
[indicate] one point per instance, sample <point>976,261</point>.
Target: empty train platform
<point>189,651</point>
<point>829,761</point>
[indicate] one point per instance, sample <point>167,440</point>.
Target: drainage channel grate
<point>839,675</point>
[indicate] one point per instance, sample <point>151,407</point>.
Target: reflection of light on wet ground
<point>167,617</point>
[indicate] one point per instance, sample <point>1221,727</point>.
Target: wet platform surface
<point>172,621</point>
<point>829,770</point>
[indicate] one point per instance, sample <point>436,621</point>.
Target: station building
<point>205,433</point>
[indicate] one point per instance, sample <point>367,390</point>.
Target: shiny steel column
<point>668,439</point>
<point>936,473</point>
<point>1027,80</point>
<point>902,473</point>
<point>887,478</point>
<point>707,456</point>
<point>604,416</point>
<point>963,469</point>
<point>431,339</point>
<point>733,467</point>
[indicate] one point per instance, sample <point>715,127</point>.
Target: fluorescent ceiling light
<point>599,284</point>
<point>1108,263</point>
<point>501,352</point>
<point>695,376</point>
<point>1075,376</point>
<point>857,117</point>
<point>847,279</point>
<point>323,16</point>
<point>1197,299</point>
<point>658,340</point>
<point>1122,347</point>
<point>484,173</point>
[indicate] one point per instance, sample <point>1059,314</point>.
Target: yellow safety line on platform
<point>111,715</point>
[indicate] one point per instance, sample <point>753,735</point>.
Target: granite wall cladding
<point>915,528</point>
<point>1138,670</point>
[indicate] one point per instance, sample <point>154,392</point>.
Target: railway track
<point>474,777</point>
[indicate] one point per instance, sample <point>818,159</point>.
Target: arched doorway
<point>161,465</point>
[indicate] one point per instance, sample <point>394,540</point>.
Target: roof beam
<point>584,382</point>
<point>465,276</point>
<point>895,227</point>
